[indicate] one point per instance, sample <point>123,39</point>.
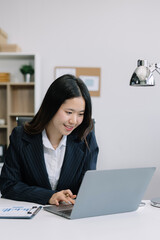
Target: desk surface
<point>141,224</point>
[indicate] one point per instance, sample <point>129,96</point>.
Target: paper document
<point>19,211</point>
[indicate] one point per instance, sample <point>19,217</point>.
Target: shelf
<point>18,55</point>
<point>4,83</point>
<point>3,136</point>
<point>17,98</point>
<point>16,84</point>
<point>3,102</point>
<point>18,114</point>
<point>3,126</point>
<point>22,98</point>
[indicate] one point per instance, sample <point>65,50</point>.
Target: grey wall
<point>112,35</point>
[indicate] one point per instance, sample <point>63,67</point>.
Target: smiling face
<point>69,116</point>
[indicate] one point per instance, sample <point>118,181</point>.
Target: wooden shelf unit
<point>17,98</point>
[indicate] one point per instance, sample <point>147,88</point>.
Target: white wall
<point>113,35</point>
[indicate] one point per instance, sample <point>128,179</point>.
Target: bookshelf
<point>17,98</point>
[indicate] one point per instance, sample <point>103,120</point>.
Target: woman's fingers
<point>69,196</point>
<point>64,195</point>
<point>68,193</point>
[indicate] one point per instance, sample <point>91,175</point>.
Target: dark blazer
<point>24,176</point>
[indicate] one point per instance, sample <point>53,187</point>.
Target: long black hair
<point>63,88</point>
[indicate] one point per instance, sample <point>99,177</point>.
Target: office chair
<point>94,121</point>
<point>22,120</point>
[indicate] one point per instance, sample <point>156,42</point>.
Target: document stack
<point>4,77</point>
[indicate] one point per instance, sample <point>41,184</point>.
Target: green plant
<point>27,69</point>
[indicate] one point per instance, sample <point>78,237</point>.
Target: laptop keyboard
<point>65,207</point>
<point>66,213</point>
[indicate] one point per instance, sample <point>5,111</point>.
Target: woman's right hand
<point>64,195</point>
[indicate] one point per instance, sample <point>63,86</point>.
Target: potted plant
<point>27,71</point>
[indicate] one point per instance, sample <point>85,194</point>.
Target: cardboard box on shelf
<point>10,48</point>
<point>3,37</point>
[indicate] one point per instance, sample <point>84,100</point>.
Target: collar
<point>47,143</point>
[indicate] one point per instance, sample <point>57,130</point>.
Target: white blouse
<point>53,158</point>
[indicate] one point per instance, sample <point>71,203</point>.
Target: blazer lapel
<point>33,152</point>
<point>74,155</point>
<point>73,158</point>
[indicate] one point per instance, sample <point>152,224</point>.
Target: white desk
<point>142,224</point>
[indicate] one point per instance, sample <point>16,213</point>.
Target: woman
<point>48,157</point>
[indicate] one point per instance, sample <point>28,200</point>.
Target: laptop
<point>105,192</point>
